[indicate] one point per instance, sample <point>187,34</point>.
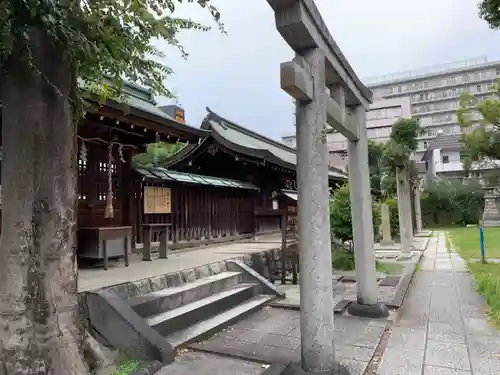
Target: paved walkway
<point>272,335</point>
<point>95,278</point>
<point>442,327</point>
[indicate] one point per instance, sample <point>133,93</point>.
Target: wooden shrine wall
<point>271,183</point>
<point>201,212</point>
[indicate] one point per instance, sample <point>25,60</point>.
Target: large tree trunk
<point>39,329</point>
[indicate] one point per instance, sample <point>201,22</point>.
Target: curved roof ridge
<point>247,131</point>
<point>263,148</point>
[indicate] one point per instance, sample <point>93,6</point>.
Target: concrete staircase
<point>193,310</point>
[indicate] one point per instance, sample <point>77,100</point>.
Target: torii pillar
<point>418,205</point>
<point>326,91</point>
<point>404,208</point>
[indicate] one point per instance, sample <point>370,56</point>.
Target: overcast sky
<point>237,75</point>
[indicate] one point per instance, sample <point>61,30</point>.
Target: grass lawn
<point>126,367</point>
<point>466,240</point>
<point>487,276</point>
<point>390,268</point>
<point>344,261</point>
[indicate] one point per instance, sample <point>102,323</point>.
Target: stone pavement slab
<point>447,354</point>
<point>401,361</point>
<point>418,243</point>
<point>342,292</point>
<point>272,335</point>
<point>203,363</point>
<point>432,370</point>
<point>442,328</point>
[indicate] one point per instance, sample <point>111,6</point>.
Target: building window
<point>478,88</point>
<point>425,145</point>
<point>446,159</point>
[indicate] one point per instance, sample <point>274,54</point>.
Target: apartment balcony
<point>489,91</point>
<point>452,166</point>
<point>444,85</point>
<point>456,166</point>
<point>433,112</point>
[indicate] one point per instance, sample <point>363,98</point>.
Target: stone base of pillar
<point>377,310</point>
<point>296,369</point>
<point>387,243</point>
<point>489,223</point>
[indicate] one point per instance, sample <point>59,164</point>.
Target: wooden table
<point>98,237</point>
<point>147,231</point>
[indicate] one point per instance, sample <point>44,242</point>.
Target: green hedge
<point>452,202</point>
<point>340,215</point>
<point>443,203</point>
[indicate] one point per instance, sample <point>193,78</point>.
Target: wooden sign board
<point>157,200</point>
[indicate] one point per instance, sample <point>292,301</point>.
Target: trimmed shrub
<point>340,215</point>
<point>343,260</point>
<point>452,202</point>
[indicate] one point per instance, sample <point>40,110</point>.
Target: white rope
<point>109,211</point>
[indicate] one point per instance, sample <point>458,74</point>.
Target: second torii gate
<point>327,91</point>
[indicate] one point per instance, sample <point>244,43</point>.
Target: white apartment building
<point>443,158</point>
<point>434,93</point>
<point>430,95</point>
<point>379,120</point>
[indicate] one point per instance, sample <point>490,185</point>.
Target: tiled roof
<point>141,101</point>
<point>444,142</point>
<point>165,175</point>
<point>269,149</point>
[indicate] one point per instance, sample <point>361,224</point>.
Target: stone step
<point>194,312</point>
<point>211,325</point>
<point>174,297</point>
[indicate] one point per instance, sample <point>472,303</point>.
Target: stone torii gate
<point>327,91</point>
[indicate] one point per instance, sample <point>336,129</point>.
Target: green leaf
<point>101,38</point>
